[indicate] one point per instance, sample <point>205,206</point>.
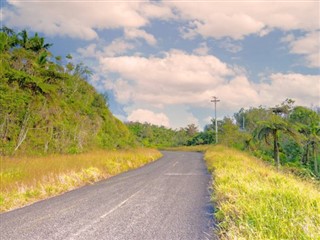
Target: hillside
<point>46,104</point>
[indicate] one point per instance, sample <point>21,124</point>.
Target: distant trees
<point>285,134</point>
<point>294,131</point>
<point>191,130</point>
<point>159,136</point>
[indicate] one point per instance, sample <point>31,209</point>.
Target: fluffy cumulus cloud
<point>240,91</point>
<point>144,115</point>
<point>238,19</point>
<point>203,49</point>
<point>234,19</point>
<point>133,33</point>
<point>309,46</point>
<point>83,19</point>
<point>181,78</point>
<point>176,78</point>
<point>230,46</point>
<point>117,47</point>
<point>305,89</point>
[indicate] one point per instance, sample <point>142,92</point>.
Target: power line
<point>215,100</point>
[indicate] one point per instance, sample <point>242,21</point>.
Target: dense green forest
<point>46,105</point>
<point>158,136</point>
<point>284,135</point>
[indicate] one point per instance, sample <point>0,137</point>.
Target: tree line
<point>284,135</point>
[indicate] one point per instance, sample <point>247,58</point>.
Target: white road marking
<point>183,174</point>
<point>119,205</point>
<point>85,228</point>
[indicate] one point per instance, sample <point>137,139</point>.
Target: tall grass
<point>24,180</point>
<point>255,201</point>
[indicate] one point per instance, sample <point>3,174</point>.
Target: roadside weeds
<point>27,180</point>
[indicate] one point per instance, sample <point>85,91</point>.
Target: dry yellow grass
<point>255,201</point>
<point>25,180</point>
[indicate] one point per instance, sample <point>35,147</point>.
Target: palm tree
<point>312,140</point>
<point>34,43</point>
<point>272,127</point>
<point>24,40</point>
<point>307,122</point>
<point>37,44</point>
<point>9,39</point>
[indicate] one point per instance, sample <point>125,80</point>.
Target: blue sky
<point>162,61</point>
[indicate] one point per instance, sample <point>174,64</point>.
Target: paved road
<point>167,199</point>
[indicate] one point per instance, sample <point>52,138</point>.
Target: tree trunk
<point>276,148</point>
<point>315,159</point>
<point>305,156</point>
<point>4,128</point>
<point>23,131</point>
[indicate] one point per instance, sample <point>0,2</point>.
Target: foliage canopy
<point>48,107</point>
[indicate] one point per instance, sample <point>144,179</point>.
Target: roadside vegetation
<point>25,180</point>
<point>56,131</point>
<point>255,201</point>
<point>46,104</point>
<point>286,135</point>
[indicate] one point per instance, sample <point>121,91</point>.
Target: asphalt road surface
<point>167,199</point>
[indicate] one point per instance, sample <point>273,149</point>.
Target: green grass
<point>255,201</point>
<point>28,179</point>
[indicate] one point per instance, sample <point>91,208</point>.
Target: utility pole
<point>215,100</point>
<point>243,123</point>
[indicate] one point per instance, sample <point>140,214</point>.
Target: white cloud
<point>238,19</point>
<point>305,89</point>
<point>192,120</point>
<point>133,33</point>
<point>237,93</point>
<point>74,19</point>
<point>231,20</point>
<point>122,89</point>
<point>208,120</point>
<point>288,38</point>
<point>117,46</point>
<point>240,92</point>
<point>88,52</point>
<point>83,19</point>
<point>173,79</point>
<point>157,10</point>
<point>235,19</point>
<point>309,47</point>
<point>191,80</point>
<point>203,49</point>
<point>230,46</point>
<point>144,115</point>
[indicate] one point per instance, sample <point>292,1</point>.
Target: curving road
<point>167,199</point>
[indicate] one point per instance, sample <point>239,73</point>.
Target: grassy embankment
<point>25,180</point>
<point>255,201</point>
